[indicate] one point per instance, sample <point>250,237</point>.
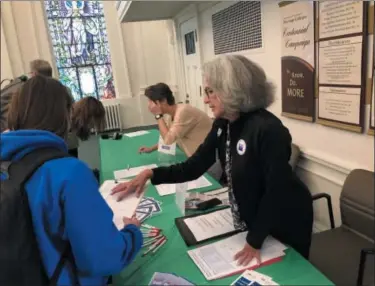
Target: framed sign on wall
<point>298,59</point>
<point>371,86</point>
<point>342,64</point>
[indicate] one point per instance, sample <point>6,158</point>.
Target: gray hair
<point>41,67</point>
<point>241,84</point>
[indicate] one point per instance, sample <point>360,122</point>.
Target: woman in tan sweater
<point>184,124</point>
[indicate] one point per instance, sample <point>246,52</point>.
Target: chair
<point>294,157</point>
<point>346,254</point>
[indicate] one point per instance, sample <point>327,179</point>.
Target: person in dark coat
<point>254,148</point>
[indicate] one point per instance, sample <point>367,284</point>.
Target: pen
<point>150,232</point>
<point>212,195</point>
<point>153,239</point>
<point>159,246</point>
<point>152,235</point>
<point>148,226</point>
<point>153,246</point>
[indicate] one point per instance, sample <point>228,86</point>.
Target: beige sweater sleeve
<point>182,123</point>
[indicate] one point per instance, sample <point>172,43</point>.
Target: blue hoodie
<point>98,247</point>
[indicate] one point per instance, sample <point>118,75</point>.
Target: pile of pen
<point>153,239</point>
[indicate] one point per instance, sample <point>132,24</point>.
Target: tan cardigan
<point>188,128</point>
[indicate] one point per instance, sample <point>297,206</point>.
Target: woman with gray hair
<point>254,148</point>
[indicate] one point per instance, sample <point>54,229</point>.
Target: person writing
<point>254,148</point>
<point>63,197</point>
<point>187,125</point>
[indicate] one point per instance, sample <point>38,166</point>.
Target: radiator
<point>112,117</point>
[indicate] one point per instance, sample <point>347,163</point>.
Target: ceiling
<point>151,10</point>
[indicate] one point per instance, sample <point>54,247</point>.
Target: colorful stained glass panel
<point>80,44</point>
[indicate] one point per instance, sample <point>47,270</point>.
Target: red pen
<point>156,244</point>
<point>159,246</point>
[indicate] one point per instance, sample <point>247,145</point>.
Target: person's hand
<point>155,108</point>
<point>132,220</point>
<point>136,185</point>
<point>144,149</point>
<point>247,254</point>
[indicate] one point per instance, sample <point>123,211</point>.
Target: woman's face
<point>212,100</point>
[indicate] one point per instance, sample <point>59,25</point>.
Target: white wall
<point>149,52</point>
<point>6,68</point>
<point>328,154</point>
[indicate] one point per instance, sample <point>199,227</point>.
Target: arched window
<point>79,39</point>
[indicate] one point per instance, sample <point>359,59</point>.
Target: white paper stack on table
<point>168,189</point>
<point>131,172</point>
<point>253,278</point>
<point>124,208</point>
<point>168,279</point>
<point>136,133</point>
<point>147,208</point>
<point>210,225</point>
<point>216,260</point>
<point>194,198</point>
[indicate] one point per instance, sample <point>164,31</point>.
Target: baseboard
<point>323,176</point>
<point>323,168</point>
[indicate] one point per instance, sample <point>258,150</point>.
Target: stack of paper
<point>131,172</point>
<point>125,208</point>
<point>250,277</point>
<point>195,198</point>
<point>166,279</point>
<point>221,194</point>
<point>136,133</point>
<point>216,260</point>
<point>168,189</point>
<point>210,225</point>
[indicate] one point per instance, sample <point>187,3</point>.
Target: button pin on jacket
<point>241,147</point>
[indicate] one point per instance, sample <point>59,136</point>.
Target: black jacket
<point>270,197</point>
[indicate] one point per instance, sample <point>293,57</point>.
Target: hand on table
<point>247,254</point>
<point>136,185</point>
<point>144,149</point>
<point>132,220</point>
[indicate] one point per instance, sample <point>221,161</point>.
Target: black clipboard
<point>189,237</point>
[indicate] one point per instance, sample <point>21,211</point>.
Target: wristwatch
<point>158,116</point>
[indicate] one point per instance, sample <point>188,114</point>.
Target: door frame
<point>182,46</point>
<point>187,14</point>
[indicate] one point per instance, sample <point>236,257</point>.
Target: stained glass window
<point>79,39</point>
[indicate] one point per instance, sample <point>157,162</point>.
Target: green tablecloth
<point>173,257</point>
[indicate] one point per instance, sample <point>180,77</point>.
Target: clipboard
<point>189,237</point>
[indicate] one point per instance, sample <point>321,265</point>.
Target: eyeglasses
<point>209,93</point>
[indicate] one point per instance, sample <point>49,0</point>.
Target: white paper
<point>211,225</point>
<point>166,149</point>
<point>132,172</point>
<point>136,133</point>
<point>216,260</point>
<point>125,208</point>
<point>201,182</point>
<point>221,194</point>
<point>168,189</point>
